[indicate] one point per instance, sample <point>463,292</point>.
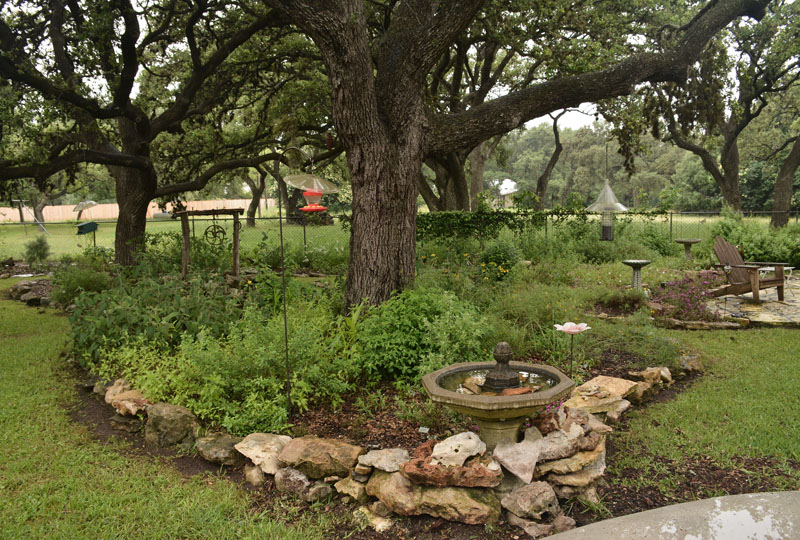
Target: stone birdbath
<point>637,265</point>
<point>507,392</point>
<point>687,245</point>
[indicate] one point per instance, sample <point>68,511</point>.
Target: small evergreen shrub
<point>69,281</point>
<point>37,251</point>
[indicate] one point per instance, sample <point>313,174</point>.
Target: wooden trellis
<point>186,255</point>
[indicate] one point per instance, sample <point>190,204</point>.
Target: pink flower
<point>572,328</point>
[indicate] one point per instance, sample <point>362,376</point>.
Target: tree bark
<point>257,189</point>
<point>544,179</point>
<point>135,188</point>
<point>784,183</point>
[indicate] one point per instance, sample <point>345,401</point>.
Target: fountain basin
<point>498,417</point>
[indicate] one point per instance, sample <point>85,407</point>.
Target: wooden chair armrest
<point>767,263</point>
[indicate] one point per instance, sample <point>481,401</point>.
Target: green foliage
<point>758,243</point>
<point>624,300</point>
<point>37,251</point>
<point>482,224</point>
<point>498,259</point>
<point>70,281</point>
<point>418,330</point>
<point>160,310</point>
<point>657,241</point>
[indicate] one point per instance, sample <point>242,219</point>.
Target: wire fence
<point>63,238</point>
<point>306,232</point>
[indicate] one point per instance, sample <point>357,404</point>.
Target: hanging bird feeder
<point>313,199</point>
<point>607,204</point>
<point>314,187</point>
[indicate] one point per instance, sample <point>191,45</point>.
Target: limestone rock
<point>369,518</point>
<point>454,451</point>
<point>650,375</point>
<point>531,528</point>
<point>534,501</point>
<point>318,492</point>
<point>584,477</point>
<point>596,426</point>
<point>380,509</point>
<point>587,493</point>
<point>130,403</point>
<point>263,449</point>
<point>119,386</point>
<point>363,470</point>
<point>666,375</point>
<point>600,394</point>
<point>350,487</point>
<point>640,391</point>
<point>614,415</point>
<point>254,475</point>
<point>690,364</point>
<point>559,444</point>
<point>292,481</point>
<point>572,463</point>
<point>573,416</point>
<point>519,458</point>
<point>219,449</point>
<point>474,473</point>
<point>319,458</point>
<point>563,523</point>
<point>388,460</point>
<point>169,425</point>
<point>466,505</point>
<point>510,483</point>
<point>549,421</point>
<point>591,441</point>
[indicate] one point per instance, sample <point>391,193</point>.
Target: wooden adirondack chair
<point>743,277</point>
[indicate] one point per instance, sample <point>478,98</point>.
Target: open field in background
<point>63,239</point>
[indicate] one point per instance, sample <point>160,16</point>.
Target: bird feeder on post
<point>607,204</point>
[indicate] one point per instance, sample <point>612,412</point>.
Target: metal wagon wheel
<point>215,234</point>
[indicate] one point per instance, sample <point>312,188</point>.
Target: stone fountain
<point>507,392</point>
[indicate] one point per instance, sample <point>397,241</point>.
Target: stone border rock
<point>562,456</point>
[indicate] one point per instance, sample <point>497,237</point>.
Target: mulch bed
<point>375,424</point>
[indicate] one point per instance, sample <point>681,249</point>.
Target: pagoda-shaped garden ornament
<point>607,204</point>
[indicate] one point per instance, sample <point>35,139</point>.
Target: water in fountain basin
<point>454,381</point>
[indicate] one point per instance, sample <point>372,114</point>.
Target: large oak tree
<point>378,73</point>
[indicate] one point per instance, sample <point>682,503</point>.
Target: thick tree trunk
<point>134,193</point>
<point>135,188</point>
<point>783,191</point>
<point>477,164</point>
<point>38,213</point>
<point>383,239</point>
<point>257,188</point>
<point>544,179</point>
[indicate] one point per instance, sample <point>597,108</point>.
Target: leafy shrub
<point>71,280</point>
<point>156,309</point>
<point>760,243</point>
<point>37,251</point>
<point>238,381</point>
<point>657,241</point>
<point>419,327</point>
<point>497,260</point>
<point>622,300</point>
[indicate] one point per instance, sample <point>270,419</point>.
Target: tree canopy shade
<point>379,56</point>
<point>151,89</point>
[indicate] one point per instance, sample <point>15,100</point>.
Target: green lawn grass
<point>64,240</point>
<point>745,405</point>
<point>56,482</point>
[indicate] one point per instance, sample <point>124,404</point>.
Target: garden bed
<point>378,418</point>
